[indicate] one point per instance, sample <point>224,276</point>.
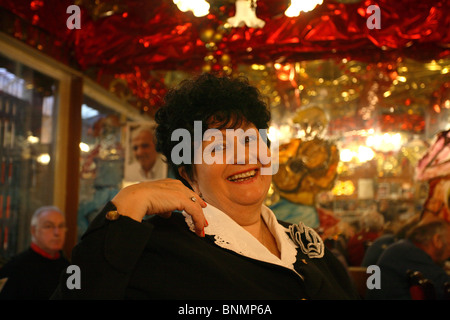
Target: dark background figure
<point>34,273</point>
<point>425,249</point>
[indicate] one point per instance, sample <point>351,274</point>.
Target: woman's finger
<point>194,207</point>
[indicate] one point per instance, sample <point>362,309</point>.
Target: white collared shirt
<point>135,173</point>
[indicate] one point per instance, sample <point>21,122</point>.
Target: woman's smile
<point>246,176</point>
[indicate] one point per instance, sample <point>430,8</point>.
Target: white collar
<point>230,235</point>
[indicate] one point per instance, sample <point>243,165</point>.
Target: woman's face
<point>235,178</point>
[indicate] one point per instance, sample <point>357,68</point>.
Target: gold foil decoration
<point>306,168</point>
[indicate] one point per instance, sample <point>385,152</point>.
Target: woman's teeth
<point>242,176</point>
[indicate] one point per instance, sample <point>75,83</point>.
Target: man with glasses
<point>34,273</point>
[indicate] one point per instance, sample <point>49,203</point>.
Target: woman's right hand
<point>160,197</point>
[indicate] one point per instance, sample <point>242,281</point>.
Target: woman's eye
<point>248,139</point>
<point>218,148</point>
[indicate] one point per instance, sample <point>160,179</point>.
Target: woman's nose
<point>245,153</point>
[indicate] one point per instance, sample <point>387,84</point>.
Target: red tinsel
<point>156,35</point>
<point>118,37</point>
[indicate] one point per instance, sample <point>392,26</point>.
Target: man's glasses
<point>51,227</point>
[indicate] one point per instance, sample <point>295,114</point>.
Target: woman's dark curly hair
<point>223,101</point>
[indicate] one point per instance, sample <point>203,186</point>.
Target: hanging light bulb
<point>199,8</point>
<point>301,5</point>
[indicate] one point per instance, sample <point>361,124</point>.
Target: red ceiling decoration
<point>156,35</point>
<point>124,39</point>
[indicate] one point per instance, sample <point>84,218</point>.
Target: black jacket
<point>162,259</point>
<point>31,276</point>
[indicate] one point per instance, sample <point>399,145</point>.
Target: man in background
<point>425,249</point>
<point>34,273</point>
<point>148,164</point>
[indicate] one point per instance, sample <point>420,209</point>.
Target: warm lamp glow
<point>43,158</point>
<point>365,154</point>
<point>362,154</point>
<point>301,5</point>
<point>283,133</point>
<point>385,142</point>
<point>346,155</point>
<point>84,147</point>
<point>32,139</point>
<point>199,8</point>
<point>343,188</point>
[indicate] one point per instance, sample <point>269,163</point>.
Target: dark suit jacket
<point>162,259</point>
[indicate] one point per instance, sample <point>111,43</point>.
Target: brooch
<point>307,239</point>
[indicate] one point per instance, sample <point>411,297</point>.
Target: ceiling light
<point>301,5</point>
<point>199,8</point>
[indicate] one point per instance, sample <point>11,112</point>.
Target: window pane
<point>27,150</point>
<point>102,160</point>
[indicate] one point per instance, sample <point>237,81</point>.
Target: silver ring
<point>193,199</point>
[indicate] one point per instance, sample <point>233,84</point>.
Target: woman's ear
<point>182,172</point>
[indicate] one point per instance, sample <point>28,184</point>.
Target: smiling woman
<point>210,236</point>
